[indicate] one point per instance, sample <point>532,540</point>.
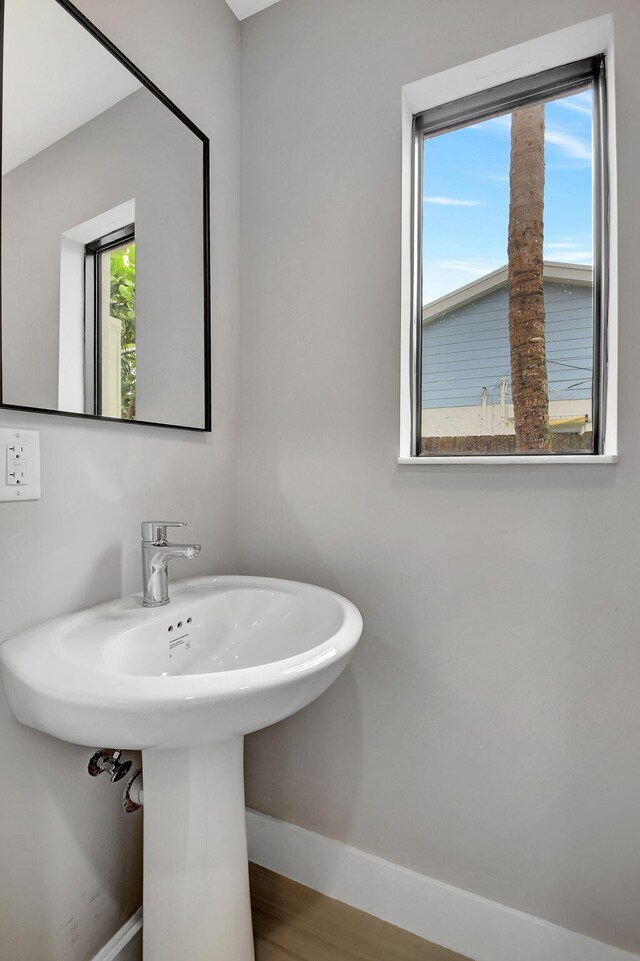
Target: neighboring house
<point>466,374</point>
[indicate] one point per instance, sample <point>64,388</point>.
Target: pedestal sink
<point>184,684</point>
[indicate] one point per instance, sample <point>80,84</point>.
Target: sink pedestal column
<point>196,880</point>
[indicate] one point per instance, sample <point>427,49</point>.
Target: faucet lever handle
<point>157,530</point>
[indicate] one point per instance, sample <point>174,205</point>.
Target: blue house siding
<point>468,348</point>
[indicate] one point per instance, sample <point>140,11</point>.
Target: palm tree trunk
<point>526,284</point>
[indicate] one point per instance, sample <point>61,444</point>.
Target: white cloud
<point>568,251</point>
<point>443,276</point>
<point>576,107</point>
<point>572,251</point>
<point>572,146</point>
<point>500,124</point>
<point>472,267</point>
<point>572,257</point>
<point>453,202</point>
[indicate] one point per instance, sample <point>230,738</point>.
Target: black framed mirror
<point>105,280</point>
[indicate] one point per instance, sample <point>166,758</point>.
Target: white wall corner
<point>126,944</point>
<point>247,8</point>
<point>447,916</point>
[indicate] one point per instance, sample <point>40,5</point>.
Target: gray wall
<point>135,150</point>
<point>486,733</point>
<point>70,858</point>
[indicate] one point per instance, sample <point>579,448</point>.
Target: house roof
<point>579,274</point>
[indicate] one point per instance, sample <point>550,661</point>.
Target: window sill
<point>510,460</point>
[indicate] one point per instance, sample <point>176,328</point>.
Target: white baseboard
<point>455,919</point>
<point>125,945</point>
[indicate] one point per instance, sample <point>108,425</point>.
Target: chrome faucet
<point>156,554</point>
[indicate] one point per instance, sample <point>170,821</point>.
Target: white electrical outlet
<point>19,464</point>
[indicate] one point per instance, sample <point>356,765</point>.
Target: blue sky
<point>466,195</point>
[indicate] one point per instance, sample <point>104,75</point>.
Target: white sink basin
<point>227,656</point>
<point>184,683</point>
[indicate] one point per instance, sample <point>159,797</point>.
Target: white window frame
<point>579,42</point>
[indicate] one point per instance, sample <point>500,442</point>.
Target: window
<point>110,323</point>
<point>509,257</point>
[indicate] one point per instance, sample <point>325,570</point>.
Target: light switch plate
<point>19,464</point>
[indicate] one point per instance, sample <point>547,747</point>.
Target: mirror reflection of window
<point>118,332</point>
<point>110,322</point>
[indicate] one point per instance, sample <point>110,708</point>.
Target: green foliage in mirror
<point>123,308</point>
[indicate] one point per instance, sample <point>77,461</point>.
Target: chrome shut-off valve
<point>109,760</point>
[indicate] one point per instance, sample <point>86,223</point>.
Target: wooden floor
<point>294,923</point>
